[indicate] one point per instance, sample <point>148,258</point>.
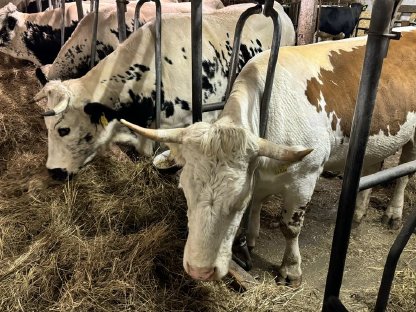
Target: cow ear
<point>100,114</point>
<point>41,76</point>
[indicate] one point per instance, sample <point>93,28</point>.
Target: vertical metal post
<point>391,262</point>
<point>271,67</point>
<point>158,55</point>
<point>63,22</point>
<point>94,33</point>
<point>196,35</point>
<point>50,5</point>
<point>39,5</point>
<point>121,19</point>
<point>377,45</point>
<point>80,10</point>
<point>91,5</point>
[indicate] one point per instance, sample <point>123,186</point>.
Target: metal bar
<point>387,175</point>
<point>235,55</point>
<point>39,5</point>
<point>121,20</point>
<point>333,304</point>
<point>91,5</point>
<point>80,10</point>
<point>158,55</point>
<point>213,106</point>
<point>158,59</point>
<point>196,35</point>
<point>375,52</point>
<point>391,262</point>
<point>63,22</point>
<point>271,67</point>
<point>94,33</point>
<point>358,23</point>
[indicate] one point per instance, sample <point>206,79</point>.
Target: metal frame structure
<point>158,54</point>
<point>379,36</point>
<point>63,22</point>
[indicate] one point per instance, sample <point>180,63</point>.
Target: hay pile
<point>111,239</point>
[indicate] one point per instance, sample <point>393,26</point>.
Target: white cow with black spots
<point>73,61</point>
<point>36,37</point>
<point>226,164</point>
<point>84,112</point>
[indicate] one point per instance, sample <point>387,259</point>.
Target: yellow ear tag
<point>103,121</point>
<point>282,168</point>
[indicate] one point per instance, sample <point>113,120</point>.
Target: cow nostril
<point>59,174</point>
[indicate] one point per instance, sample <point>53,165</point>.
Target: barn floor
<point>368,249</point>
<point>112,239</point>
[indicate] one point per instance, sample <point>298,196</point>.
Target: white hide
<point>74,58</point>
<point>112,81</point>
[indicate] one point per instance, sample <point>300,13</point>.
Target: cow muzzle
<point>202,274</point>
<point>59,174</point>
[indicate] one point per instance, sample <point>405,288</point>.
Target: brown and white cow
<point>311,109</point>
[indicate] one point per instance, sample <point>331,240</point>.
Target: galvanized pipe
<point>94,33</point>
<point>235,55</point>
<point>158,52</point>
<point>196,36</point>
<point>376,50</point>
<point>387,175</point>
<point>121,20</point>
<point>80,10</point>
<point>391,262</point>
<point>271,67</point>
<point>39,5</point>
<point>63,22</point>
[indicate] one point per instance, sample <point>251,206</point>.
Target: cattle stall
<point>112,238</point>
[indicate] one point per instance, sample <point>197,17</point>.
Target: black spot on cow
<point>140,110</point>
<point>128,32</point>
<point>142,67</point>
<point>9,25</point>
<point>258,42</point>
<point>168,108</point>
<point>44,41</point>
<point>183,49</point>
<point>103,50</point>
<point>168,60</point>
<point>41,76</point>
<point>184,104</point>
<point>206,85</point>
<point>185,57</point>
<point>209,68</point>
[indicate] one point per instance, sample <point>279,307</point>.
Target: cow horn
<point>282,152</point>
<point>160,135</point>
<point>58,109</point>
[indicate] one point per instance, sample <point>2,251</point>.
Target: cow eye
<point>63,131</point>
<point>88,137</point>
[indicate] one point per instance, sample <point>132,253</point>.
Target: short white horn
<point>281,152</point>
<point>159,135</point>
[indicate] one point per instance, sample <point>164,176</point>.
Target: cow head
<point>8,21</point>
<point>218,161</point>
<point>77,129</point>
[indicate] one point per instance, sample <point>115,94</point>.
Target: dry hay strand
<point>20,122</point>
<point>402,296</point>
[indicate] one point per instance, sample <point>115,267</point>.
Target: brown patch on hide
<point>396,92</point>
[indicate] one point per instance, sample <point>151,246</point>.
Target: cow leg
<point>253,230</point>
<point>361,205</point>
<point>296,199</point>
<point>363,197</point>
<point>393,214</point>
